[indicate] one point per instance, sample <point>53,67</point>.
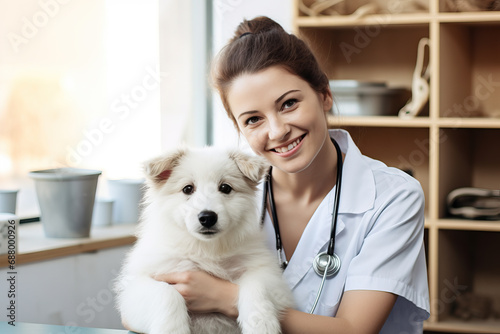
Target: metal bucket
<point>66,197</point>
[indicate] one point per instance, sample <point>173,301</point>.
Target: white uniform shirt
<point>379,240</point>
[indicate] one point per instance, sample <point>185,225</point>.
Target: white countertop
<point>32,245</point>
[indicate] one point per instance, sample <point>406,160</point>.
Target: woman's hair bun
<point>256,26</point>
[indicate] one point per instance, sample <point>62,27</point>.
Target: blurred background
<point>108,84</point>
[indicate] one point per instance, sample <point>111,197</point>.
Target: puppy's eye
<point>225,188</point>
<point>188,190</point>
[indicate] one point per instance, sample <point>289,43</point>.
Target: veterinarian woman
<point>278,98</point>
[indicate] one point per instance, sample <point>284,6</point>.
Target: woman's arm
<point>360,311</point>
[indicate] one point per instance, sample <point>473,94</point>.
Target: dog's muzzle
<point>208,219</point>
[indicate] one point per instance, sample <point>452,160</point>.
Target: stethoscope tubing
<point>325,271</point>
<point>338,183</point>
<point>320,289</point>
<point>272,206</point>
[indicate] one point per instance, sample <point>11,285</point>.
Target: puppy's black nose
<point>207,218</point>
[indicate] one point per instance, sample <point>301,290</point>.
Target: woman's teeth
<point>285,149</point>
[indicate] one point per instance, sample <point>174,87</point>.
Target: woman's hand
<point>203,292</point>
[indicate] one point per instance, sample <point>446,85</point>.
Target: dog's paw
<point>259,318</point>
<point>175,320</point>
<point>257,322</point>
<point>175,325</point>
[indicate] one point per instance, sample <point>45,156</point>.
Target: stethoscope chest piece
<point>321,263</point>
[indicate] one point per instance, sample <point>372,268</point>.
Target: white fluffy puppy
<point>202,213</point>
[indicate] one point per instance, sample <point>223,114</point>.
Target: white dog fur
<point>171,238</point>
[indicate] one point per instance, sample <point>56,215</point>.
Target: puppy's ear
<point>253,167</point>
<point>159,169</point>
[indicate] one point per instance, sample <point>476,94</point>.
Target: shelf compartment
<point>476,122</point>
<point>369,20</point>
<point>409,148</point>
<point>467,263</point>
<point>378,121</point>
<point>476,18</point>
<point>469,70</point>
<point>467,158</point>
<point>469,225</point>
<point>455,327</point>
<point>444,8</point>
<point>346,7</point>
<point>367,53</point>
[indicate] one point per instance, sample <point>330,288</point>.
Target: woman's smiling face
<point>281,116</point>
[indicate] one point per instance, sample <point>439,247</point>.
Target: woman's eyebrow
<point>247,112</point>
<point>283,96</point>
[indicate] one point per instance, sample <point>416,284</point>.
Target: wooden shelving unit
<point>455,142</point>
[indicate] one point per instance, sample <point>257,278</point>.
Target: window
<point>93,84</point>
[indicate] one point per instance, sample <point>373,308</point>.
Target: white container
<point>357,98</point>
<point>8,200</point>
<point>103,212</point>
<point>9,228</point>
<point>66,197</point>
<point>127,194</point>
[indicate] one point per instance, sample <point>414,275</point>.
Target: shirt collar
<point>358,185</point>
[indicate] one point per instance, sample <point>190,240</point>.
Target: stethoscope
<point>325,264</point>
